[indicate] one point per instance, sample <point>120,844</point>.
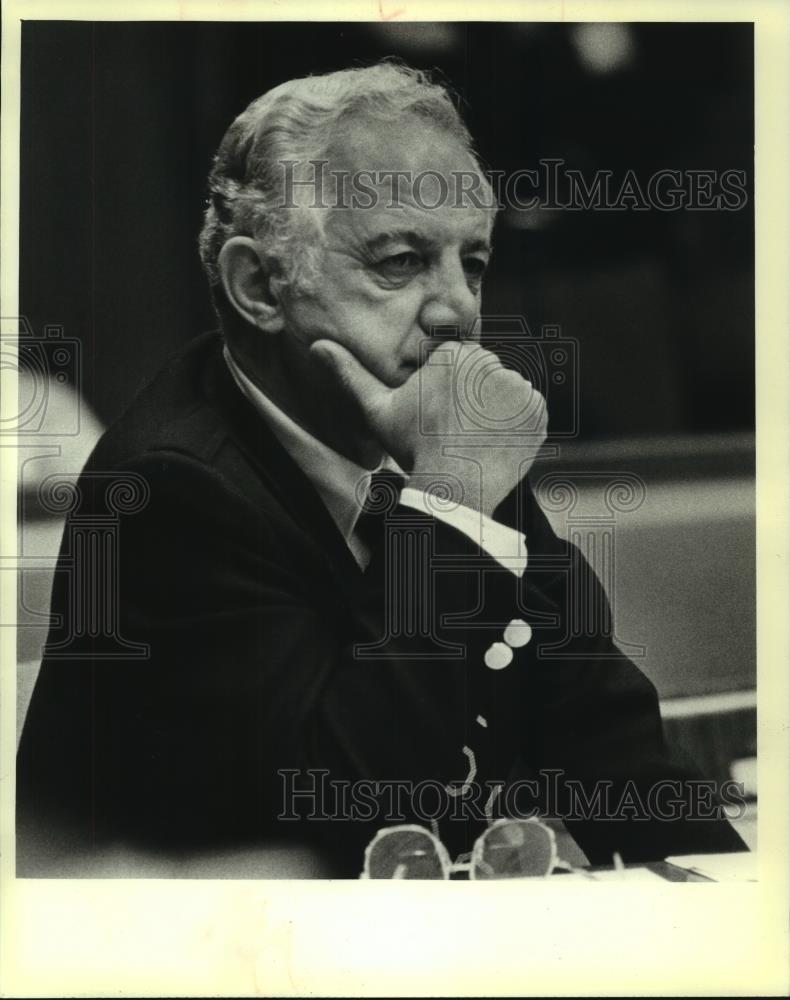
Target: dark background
<point>120,121</point>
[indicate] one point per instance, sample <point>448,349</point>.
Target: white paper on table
<point>738,867</point>
<point>614,875</point>
<point>627,875</point>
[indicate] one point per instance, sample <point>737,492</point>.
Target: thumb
<point>363,387</point>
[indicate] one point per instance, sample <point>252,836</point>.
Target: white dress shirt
<point>343,486</point>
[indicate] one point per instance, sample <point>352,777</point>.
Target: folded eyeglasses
<point>509,848</point>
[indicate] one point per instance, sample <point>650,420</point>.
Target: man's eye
<point>474,269</point>
<point>400,265</point>
<point>475,266</point>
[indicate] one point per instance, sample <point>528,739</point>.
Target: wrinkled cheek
<point>309,321</point>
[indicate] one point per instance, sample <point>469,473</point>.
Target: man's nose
<point>450,307</point>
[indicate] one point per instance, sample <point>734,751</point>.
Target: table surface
<point>667,871</point>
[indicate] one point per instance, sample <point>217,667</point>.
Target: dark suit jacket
<point>229,569</point>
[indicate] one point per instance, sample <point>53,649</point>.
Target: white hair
<point>296,122</point>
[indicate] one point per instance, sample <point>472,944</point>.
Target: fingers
<point>355,379</point>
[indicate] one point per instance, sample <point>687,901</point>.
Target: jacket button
<point>517,634</point>
<point>498,656</point>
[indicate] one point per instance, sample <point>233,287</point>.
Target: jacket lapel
<point>276,470</point>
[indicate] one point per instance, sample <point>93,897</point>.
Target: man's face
<point>389,274</point>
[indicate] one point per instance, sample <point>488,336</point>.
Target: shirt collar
<point>341,483</point>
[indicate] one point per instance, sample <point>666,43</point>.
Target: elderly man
<point>306,651</point>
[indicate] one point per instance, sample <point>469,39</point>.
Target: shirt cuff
<point>506,545</point>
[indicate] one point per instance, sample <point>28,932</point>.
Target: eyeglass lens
<point>513,849</point>
<point>405,854</point>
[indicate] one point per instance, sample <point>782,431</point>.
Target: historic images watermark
<point>313,795</point>
<point>91,506</point>
<point>551,185</point>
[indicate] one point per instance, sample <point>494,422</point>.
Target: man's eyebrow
<point>410,236</point>
<point>417,239</point>
<point>478,244</point>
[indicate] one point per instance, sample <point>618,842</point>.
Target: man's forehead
<point>411,143</point>
<point>420,177</point>
<point>381,225</point>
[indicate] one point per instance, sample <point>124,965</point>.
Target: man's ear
<point>247,278</point>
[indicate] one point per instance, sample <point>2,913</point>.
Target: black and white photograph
<point>385,453</point>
